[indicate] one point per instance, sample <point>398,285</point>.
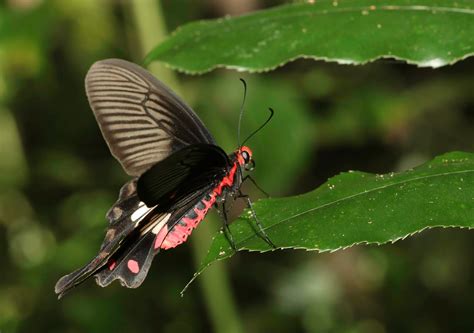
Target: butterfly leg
<point>262,233</point>
<point>249,177</point>
<point>228,234</point>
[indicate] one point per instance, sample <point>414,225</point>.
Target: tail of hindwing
<point>120,226</point>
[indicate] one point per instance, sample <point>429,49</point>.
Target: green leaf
<point>360,208</point>
<point>428,33</point>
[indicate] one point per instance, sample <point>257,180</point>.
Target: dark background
<point>57,180</point>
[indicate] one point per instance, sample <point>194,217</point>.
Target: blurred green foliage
<point>58,180</point>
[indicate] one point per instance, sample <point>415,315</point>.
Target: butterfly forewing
<point>180,175</point>
<point>142,121</point>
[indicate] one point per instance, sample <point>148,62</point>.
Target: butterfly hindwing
<point>121,224</point>
<point>71,280</point>
<point>128,247</point>
<point>130,266</point>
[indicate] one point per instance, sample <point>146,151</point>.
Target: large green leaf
<point>360,208</point>
<point>428,33</point>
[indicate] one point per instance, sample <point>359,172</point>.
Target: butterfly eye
<point>246,157</point>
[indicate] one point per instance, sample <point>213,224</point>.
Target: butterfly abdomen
<point>178,232</point>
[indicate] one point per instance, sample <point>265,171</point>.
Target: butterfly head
<point>244,157</point>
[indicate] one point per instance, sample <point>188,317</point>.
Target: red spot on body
<point>208,204</point>
<point>133,266</point>
<point>189,221</point>
<point>227,180</point>
<point>200,215</point>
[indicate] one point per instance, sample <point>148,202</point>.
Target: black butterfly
<point>179,172</point>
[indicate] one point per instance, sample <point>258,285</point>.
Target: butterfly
<point>179,173</point>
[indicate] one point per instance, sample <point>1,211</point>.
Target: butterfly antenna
<point>260,127</point>
<point>241,111</point>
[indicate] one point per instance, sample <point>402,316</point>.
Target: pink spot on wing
<point>112,265</point>
<point>133,266</point>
